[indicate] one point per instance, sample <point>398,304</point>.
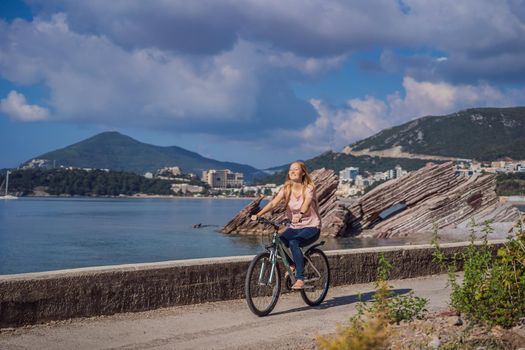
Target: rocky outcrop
<point>434,196</point>
<point>334,216</point>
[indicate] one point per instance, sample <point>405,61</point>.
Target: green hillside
<point>83,183</point>
<point>478,133</point>
<point>112,150</point>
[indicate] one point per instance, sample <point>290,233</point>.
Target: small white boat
<point>7,196</point>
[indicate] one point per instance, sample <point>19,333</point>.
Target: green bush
<point>493,288</point>
<point>398,307</point>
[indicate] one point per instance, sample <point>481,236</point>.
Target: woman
<point>299,195</point>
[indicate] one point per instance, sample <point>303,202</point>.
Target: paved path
<point>220,325</point>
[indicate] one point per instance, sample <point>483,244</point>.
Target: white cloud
<point>436,98</point>
<point>16,107</point>
<point>90,78</point>
<point>361,118</point>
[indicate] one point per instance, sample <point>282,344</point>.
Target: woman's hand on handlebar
<point>254,217</point>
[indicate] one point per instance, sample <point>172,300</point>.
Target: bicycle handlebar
<point>275,224</point>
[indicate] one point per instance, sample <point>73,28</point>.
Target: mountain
<point>112,150</point>
<point>478,133</point>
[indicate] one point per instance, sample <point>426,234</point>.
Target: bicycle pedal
<point>310,280</point>
<point>308,287</point>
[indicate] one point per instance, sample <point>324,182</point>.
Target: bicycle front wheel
<point>317,277</point>
<point>262,286</point>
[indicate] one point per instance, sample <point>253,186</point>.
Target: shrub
<point>396,308</point>
<point>368,332</point>
<point>493,288</point>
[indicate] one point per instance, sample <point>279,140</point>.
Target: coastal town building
<point>398,171</point>
<point>349,173</point>
<point>497,164</point>
<point>469,168</point>
<point>38,164</point>
<point>166,171</point>
<point>186,189</point>
<point>223,178</point>
<point>351,183</point>
<point>346,190</point>
<point>260,190</point>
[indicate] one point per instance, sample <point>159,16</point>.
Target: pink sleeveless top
<point>310,218</point>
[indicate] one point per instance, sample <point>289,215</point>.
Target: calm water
<point>41,234</point>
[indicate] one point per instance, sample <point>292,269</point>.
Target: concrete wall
<point>39,297</point>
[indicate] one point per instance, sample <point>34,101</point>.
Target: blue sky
<point>255,82</point>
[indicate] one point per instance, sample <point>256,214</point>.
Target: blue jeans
<point>294,238</point>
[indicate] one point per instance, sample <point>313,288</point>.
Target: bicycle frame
<point>276,250</point>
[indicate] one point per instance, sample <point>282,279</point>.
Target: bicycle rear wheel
<point>317,277</point>
<point>261,293</point>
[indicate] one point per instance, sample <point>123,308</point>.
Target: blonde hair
<point>305,181</point>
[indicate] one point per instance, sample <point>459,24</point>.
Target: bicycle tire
<point>316,295</point>
<point>262,299</point>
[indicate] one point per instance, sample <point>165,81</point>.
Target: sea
<point>47,233</point>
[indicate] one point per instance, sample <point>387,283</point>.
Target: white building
<point>346,190</point>
<point>380,176</point>
<point>398,172</point>
<point>510,167</point>
<point>348,173</point>
<point>223,178</point>
<point>37,163</point>
<point>359,182</point>
<point>169,171</point>
<point>186,188</point>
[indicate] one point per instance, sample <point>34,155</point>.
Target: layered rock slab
<point>434,196</point>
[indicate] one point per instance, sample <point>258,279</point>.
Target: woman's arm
<point>271,204</point>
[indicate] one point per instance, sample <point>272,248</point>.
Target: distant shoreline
<point>146,196</point>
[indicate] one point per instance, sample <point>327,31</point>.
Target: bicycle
<point>263,280</point>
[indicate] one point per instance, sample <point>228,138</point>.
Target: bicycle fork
<point>272,262</point>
